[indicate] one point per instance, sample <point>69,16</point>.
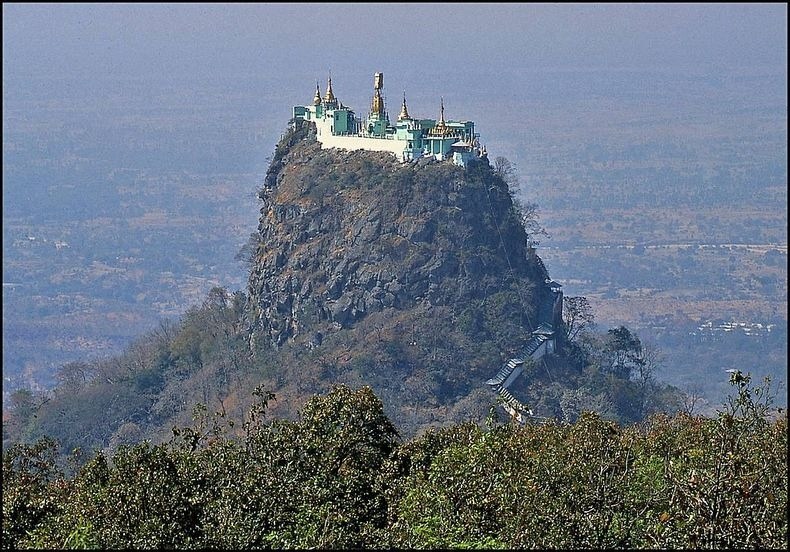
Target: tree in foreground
<point>339,477</point>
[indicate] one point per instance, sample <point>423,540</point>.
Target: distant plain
<point>664,194</point>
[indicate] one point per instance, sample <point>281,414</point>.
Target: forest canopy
<point>341,477</point>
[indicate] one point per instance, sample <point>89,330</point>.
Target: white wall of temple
<point>357,142</point>
<point>328,140</point>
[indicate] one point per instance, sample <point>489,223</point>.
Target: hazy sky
<point>216,40</point>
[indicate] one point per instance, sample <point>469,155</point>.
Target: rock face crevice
<point>345,234</point>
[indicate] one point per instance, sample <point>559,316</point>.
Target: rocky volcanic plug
<point>430,257</point>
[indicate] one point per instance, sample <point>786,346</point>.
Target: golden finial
<point>329,97</point>
<point>317,97</point>
<point>441,128</point>
<point>404,113</point>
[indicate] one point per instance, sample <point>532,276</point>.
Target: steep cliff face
<point>428,255</point>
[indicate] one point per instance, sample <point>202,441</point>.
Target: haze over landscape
<point>652,137</point>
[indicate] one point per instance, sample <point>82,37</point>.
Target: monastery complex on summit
<point>337,126</point>
<point>410,139</point>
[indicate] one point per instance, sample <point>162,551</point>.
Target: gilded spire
<point>317,97</point>
<point>404,113</point>
<point>441,128</point>
<point>377,106</point>
<point>329,97</point>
